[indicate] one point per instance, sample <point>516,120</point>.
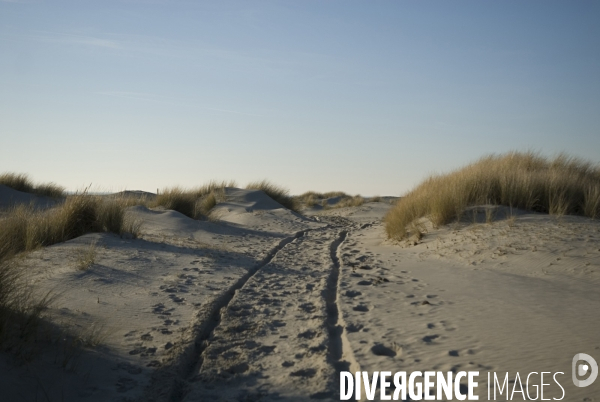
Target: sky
<point>366,97</point>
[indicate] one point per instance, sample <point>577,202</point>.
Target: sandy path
<point>279,337</point>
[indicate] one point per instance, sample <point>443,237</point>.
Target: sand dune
<point>10,197</point>
<point>264,304</point>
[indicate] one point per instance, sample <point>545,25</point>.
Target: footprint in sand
<point>381,350</point>
<point>429,338</point>
<point>308,307</point>
<point>309,334</point>
<point>177,299</point>
<point>361,308</point>
<point>354,327</point>
<point>447,326</point>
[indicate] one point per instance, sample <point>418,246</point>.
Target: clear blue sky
<point>367,97</point>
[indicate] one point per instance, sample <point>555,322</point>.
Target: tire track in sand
<point>277,333</point>
<point>170,383</point>
<point>340,349</point>
<point>282,336</point>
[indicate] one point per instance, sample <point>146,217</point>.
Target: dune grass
<point>312,198</point>
<point>350,201</point>
<point>23,326</point>
<point>22,182</point>
<point>20,310</point>
<point>558,186</point>
<point>20,314</point>
<point>195,203</point>
<point>25,228</point>
<point>85,256</point>
<point>278,193</point>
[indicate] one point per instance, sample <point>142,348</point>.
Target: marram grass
<point>558,186</point>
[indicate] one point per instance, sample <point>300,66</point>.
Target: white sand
<point>269,305</point>
<point>10,198</point>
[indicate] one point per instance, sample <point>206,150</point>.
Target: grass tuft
<point>279,194</point>
<point>20,311</point>
<point>312,198</point>
<point>22,182</point>
<point>24,228</point>
<point>526,180</point>
<point>86,256</point>
<point>195,203</point>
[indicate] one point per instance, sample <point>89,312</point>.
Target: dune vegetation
<point>312,198</point>
<point>333,199</point>
<point>278,193</point>
<point>24,228</point>
<point>195,203</point>
<point>22,182</point>
<point>20,310</point>
<point>557,186</point>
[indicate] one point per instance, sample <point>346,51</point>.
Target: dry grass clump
<point>558,186</point>
<point>23,327</point>
<point>24,228</point>
<point>20,311</point>
<point>349,201</point>
<point>10,294</point>
<point>178,199</point>
<point>22,182</point>
<point>312,198</point>
<point>195,203</point>
<point>208,201</point>
<point>279,194</point>
<point>86,256</point>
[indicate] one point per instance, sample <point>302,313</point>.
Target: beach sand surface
<point>263,304</point>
